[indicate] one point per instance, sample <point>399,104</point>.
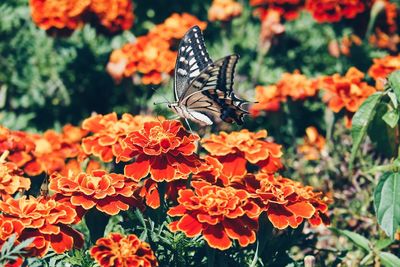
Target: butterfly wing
<point>191,60</point>
<point>211,93</point>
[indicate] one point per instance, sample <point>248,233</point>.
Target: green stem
<point>210,256</point>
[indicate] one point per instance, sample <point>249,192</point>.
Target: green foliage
<point>11,252</point>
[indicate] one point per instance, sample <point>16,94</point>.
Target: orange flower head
<point>58,14</point>
<point>108,133</point>
<point>297,86</point>
<point>45,219</point>
<point>334,10</point>
<point>108,192</point>
<point>313,145</point>
<point>117,250</point>
<point>289,9</point>
<point>114,15</point>
<point>218,213</point>
<point>163,149</point>
<point>268,98</point>
<point>235,149</point>
<point>347,91</point>
<point>382,67</point>
<point>224,10</point>
<point>11,180</point>
<point>9,226</point>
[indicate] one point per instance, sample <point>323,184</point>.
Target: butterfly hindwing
<point>191,60</point>
<point>212,92</point>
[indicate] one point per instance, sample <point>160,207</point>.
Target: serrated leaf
<point>389,260</point>
<point>357,239</point>
<point>361,121</point>
<point>394,83</point>
<point>391,117</point>
<point>387,203</point>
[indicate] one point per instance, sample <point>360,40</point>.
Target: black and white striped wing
<point>212,95</point>
<point>191,60</point>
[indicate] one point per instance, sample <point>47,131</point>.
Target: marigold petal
<point>138,169</point>
<point>189,225</point>
<point>216,237</point>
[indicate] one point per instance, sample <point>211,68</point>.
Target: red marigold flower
<point>163,149</point>
<point>224,10</point>
<point>108,192</point>
<point>347,91</point>
<point>297,86</point>
<point>117,250</point>
<point>334,10</point>
<point>289,9</point>
<point>268,98</point>
<point>235,149</point>
<point>11,180</point>
<point>9,226</point>
<point>219,214</point>
<point>45,219</point>
<point>114,15</point>
<point>382,67</point>
<point>212,172</point>
<point>313,145</point>
<point>58,14</point>
<point>108,133</point>
<point>286,202</point>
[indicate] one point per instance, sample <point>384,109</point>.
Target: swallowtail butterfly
<point>203,89</point>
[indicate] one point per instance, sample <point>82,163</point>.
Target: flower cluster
<point>224,10</point>
<point>382,67</point>
<point>346,92</point>
<point>289,9</point>
<point>313,144</point>
<point>165,150</point>
<point>234,150</point>
<point>335,10</point>
<point>117,250</point>
<point>114,15</point>
<point>107,133</point>
<point>47,220</point>
<point>291,85</point>
<point>36,153</point>
<point>108,192</point>
<point>218,213</point>
<point>151,58</point>
<point>11,180</point>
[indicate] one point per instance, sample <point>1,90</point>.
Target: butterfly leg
<point>187,122</point>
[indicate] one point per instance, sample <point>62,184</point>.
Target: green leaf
<point>361,121</point>
<point>394,83</point>
<point>391,117</point>
<point>389,259</point>
<point>393,99</point>
<point>357,239</point>
<point>387,203</point>
<point>383,243</point>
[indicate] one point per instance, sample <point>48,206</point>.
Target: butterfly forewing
<point>191,60</point>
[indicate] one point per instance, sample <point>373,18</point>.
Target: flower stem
<point>210,256</point>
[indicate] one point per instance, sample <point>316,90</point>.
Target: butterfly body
<point>203,89</point>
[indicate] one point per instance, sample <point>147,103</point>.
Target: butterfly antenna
<point>166,100</point>
<point>190,128</point>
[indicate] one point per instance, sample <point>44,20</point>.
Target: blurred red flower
<point>117,250</point>
<point>163,149</point>
<point>289,9</point>
<point>235,149</point>
<point>11,180</point>
<point>108,192</point>
<point>382,67</point>
<point>224,10</point>
<point>45,219</point>
<point>114,15</point>
<point>268,98</point>
<point>313,144</point>
<point>334,10</point>
<point>219,214</point>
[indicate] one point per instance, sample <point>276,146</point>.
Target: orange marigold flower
<point>163,149</point>
<point>224,10</point>
<point>235,149</point>
<point>268,98</point>
<point>270,27</point>
<point>297,86</point>
<point>347,91</point>
<point>289,9</point>
<point>286,202</point>
<point>175,27</point>
<point>382,67</point>
<point>11,180</point>
<point>108,192</point>
<point>108,133</point>
<point>117,250</point>
<point>58,14</point>
<point>9,226</point>
<point>219,214</point>
<point>313,145</point>
<point>114,15</point>
<point>150,57</point>
<point>334,10</point>
<point>45,219</point>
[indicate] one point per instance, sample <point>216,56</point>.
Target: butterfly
<point>203,89</point>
